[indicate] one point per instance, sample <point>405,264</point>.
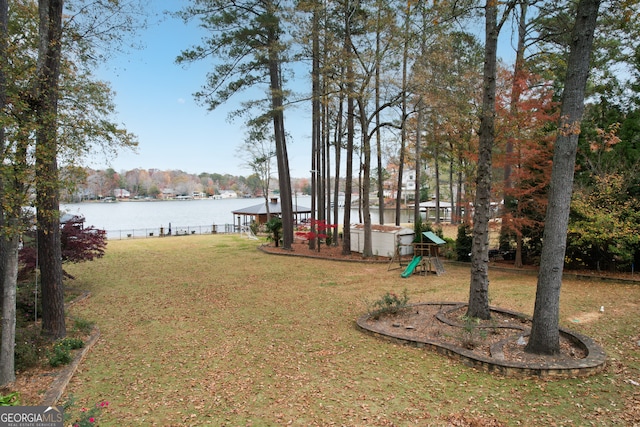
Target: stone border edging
<point>593,363</point>
<point>57,387</point>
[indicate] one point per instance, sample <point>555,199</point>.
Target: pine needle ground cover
<point>207,330</point>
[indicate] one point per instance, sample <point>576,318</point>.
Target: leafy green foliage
<point>603,226</point>
<point>11,399</point>
<point>420,227</point>
<point>274,227</point>
<point>390,303</point>
<point>61,352</point>
<point>28,348</point>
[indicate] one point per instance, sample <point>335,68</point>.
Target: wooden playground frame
<point>429,253</point>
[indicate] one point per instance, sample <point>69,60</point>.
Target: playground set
<point>425,256</point>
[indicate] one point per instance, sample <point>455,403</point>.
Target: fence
<point>139,233</point>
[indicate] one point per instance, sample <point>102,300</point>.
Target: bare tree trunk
<point>47,192</point>
<point>403,130</point>
<point>451,193</point>
<point>284,178</point>
<point>545,335</point>
<point>479,289</point>
<point>315,122</point>
<point>4,41</point>
<point>378,136</point>
<point>459,198</point>
<point>338,151</point>
<point>8,246</point>
<point>9,281</point>
<point>13,194</point>
<point>436,161</point>
<point>417,219</point>
<point>346,238</point>
<point>367,249</point>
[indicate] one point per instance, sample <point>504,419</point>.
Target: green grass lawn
<point>207,330</point>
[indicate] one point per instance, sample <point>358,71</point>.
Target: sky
<point>154,100</point>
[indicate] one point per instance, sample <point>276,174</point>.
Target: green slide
<point>412,266</point>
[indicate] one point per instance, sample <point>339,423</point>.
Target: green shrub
<point>449,250</point>
<point>61,353</point>
<point>26,303</point>
<point>72,343</point>
<point>59,356</point>
<point>11,399</point>
<point>28,348</point>
<point>274,227</point>
<point>419,228</point>
<point>390,303</point>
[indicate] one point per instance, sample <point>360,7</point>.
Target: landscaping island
<point>495,345</point>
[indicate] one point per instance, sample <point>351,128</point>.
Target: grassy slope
<point>205,330</point>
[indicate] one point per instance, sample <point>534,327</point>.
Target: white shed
<point>384,239</point>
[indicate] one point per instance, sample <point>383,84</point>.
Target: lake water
<point>141,218</point>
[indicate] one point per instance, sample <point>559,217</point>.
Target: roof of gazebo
<point>274,208</point>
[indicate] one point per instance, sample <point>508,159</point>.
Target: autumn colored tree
<point>319,230</point>
<point>78,244</point>
<point>526,129</point>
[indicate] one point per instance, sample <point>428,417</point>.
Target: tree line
<point>89,184</point>
<point>415,74</point>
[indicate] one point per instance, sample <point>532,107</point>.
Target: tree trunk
<point>315,123</point>
<point>4,41</point>
<point>348,185</point>
<point>284,179</point>
<point>436,171</point>
<point>479,288</point>
<point>380,178</point>
<point>9,281</point>
<point>338,156</point>
<point>367,249</point>
<point>451,192</point>
<point>8,246</point>
<point>47,192</point>
<point>403,130</point>
<point>545,336</point>
<point>417,218</point>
